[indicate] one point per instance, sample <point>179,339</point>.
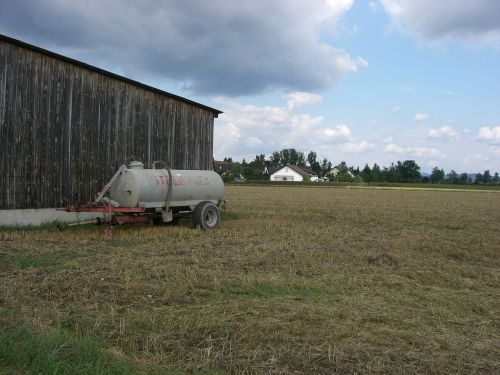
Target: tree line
<point>407,171</point>
<point>438,176</point>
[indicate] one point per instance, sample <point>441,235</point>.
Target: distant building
<point>222,167</point>
<point>292,173</point>
<point>336,170</point>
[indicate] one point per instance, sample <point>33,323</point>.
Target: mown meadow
<point>297,279</point>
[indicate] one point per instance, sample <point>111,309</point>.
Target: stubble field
<point>306,280</point>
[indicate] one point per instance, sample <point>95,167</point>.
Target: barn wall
<point>65,129</point>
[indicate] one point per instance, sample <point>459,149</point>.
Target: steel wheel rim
<point>211,217</point>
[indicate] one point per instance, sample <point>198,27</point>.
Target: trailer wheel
<point>206,216</point>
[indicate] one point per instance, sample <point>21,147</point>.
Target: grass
<point>24,262</point>
<point>296,280</point>
<point>30,227</point>
<point>58,352</point>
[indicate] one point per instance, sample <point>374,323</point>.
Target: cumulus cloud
<point>208,47</point>
<point>393,149</point>
<point>244,130</point>
<point>339,131</point>
<point>339,6</point>
<point>298,99</point>
<point>445,131</point>
<point>357,146</point>
<point>489,134</point>
<point>414,151</point>
<point>424,152</point>
<point>253,141</point>
<point>462,21</point>
<point>421,116</point>
<point>230,133</point>
<point>473,159</point>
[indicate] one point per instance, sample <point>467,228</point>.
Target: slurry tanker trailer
<point>139,195</point>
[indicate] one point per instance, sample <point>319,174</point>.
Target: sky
<point>353,80</point>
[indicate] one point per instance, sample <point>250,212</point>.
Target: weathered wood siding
<point>65,129</point>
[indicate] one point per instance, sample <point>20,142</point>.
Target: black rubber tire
<point>206,215</point>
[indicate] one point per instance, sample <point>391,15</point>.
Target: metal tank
<point>138,187</point>
<point>144,196</point>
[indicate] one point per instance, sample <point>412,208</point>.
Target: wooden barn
<point>66,127</point>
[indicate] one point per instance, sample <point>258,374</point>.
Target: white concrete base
<point>19,218</point>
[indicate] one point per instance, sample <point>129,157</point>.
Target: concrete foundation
<point>19,218</point>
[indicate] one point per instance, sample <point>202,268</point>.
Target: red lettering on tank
<point>160,180</point>
<point>201,180</point>
<point>178,181</point>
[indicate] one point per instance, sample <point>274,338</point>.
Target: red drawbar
<point>93,207</point>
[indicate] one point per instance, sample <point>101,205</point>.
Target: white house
<point>291,173</point>
<point>336,170</point>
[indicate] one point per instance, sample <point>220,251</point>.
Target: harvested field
<point>296,280</point>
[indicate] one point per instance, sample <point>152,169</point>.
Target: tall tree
<point>294,156</point>
<point>285,156</point>
<point>311,158</point>
<point>409,171</point>
<point>496,178</point>
<point>313,163</point>
<point>275,159</point>
<point>478,179</point>
<point>259,159</point>
<point>437,175</point>
<point>326,166</point>
<point>453,177</point>
<point>375,175</point>
<point>391,174</point>
<point>301,161</point>
<point>366,173</point>
<point>486,176</point>
<point>463,179</point>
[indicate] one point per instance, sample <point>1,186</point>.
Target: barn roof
<point>81,64</point>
